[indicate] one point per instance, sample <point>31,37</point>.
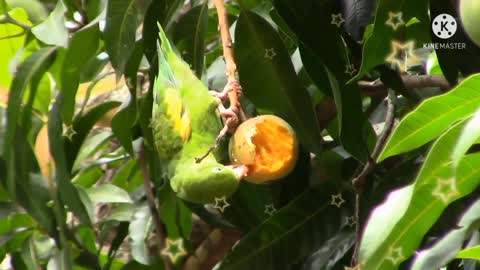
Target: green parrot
<point>186,122</point>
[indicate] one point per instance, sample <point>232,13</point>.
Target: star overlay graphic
<point>337,19</point>
<point>174,249</point>
<point>445,190</point>
<point>395,20</point>
<point>270,53</point>
<point>337,200</point>
<point>221,204</point>
<point>402,55</point>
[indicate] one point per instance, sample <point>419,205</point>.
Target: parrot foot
<point>232,86</point>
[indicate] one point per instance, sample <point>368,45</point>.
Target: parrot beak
<point>240,171</point>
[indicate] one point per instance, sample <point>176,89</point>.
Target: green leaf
<point>291,233</point>
<point>396,228</point>
<point>269,79</point>
<point>52,31</point>
<point>12,45</point>
<point>449,245</point>
<point>91,146</point>
<point>189,37</point>
<point>83,47</point>
<point>82,126</point>
<point>470,253</point>
<point>33,67</point>
<point>138,232</point>
<point>469,136</point>
<point>176,217</point>
<point>124,120</point>
<point>123,18</point>
<point>67,192</point>
<point>331,252</point>
<point>433,116</point>
<point>377,46</point>
<point>108,193</point>
<point>321,45</point>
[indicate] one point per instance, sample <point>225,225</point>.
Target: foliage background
<point>76,95</point>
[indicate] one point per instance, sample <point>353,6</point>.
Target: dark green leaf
<point>290,234</point>
<point>189,37</point>
<point>123,18</point>
<point>139,229</point>
<point>83,47</point>
<point>269,80</point>
<point>68,194</point>
<point>33,67</point>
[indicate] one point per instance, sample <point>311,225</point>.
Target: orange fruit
<point>267,145</point>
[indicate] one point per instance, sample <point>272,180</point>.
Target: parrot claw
<point>230,87</point>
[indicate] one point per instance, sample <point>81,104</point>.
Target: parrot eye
<point>217,169</point>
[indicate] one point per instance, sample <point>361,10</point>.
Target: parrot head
<point>210,181</point>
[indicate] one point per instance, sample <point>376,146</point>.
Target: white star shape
<point>270,53</point>
<point>402,55</point>
<point>351,221</point>
<point>68,131</point>
<point>337,19</point>
<point>395,255</point>
<point>270,209</point>
<point>395,20</point>
<point>350,69</point>
<point>445,189</point>
<point>221,204</point>
<point>174,249</point>
<point>337,200</point>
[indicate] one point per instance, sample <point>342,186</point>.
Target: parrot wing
<point>170,119</point>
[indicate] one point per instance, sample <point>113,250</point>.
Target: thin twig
<point>8,19</point>
<point>147,182</point>
<point>360,180</point>
<point>233,88</point>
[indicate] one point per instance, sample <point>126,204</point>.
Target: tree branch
<point>360,180</point>
<point>147,182</point>
<point>8,19</point>
<point>378,89</point>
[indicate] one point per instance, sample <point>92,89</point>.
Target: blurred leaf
<point>123,18</point>
<point>189,37</point>
<point>272,84</point>
<point>62,259</point>
<point>138,232</point>
<point>291,233</point>
<point>33,67</point>
<point>331,252</point>
<point>358,14</point>
<point>10,47</point>
<point>395,229</point>
<point>91,146</point>
<point>108,193</point>
<point>128,177</point>
<point>126,117</point>
<point>82,48</point>
<point>35,9</point>
<point>82,126</point>
<point>29,253</point>
<point>321,45</point>
<point>445,249</point>
<point>470,253</point>
<point>176,217</point>
<point>67,192</point>
<point>433,67</point>
<point>432,117</point>
<point>468,137</point>
<point>52,31</point>
<point>377,46</point>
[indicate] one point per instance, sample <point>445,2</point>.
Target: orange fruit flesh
<point>274,149</point>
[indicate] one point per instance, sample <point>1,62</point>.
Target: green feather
<point>186,123</point>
